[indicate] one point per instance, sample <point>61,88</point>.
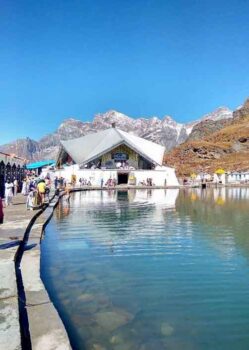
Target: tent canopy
<point>220,171</point>
<point>40,164</point>
<point>87,148</point>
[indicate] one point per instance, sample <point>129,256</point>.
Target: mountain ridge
<point>208,148</point>
<point>165,131</point>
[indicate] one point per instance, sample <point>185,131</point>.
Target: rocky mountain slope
<point>207,127</point>
<point>164,131</point>
<point>213,145</point>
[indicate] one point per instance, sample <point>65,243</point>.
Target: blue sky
<point>75,58</point>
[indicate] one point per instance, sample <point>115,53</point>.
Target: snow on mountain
<point>219,114</point>
<point>165,131</point>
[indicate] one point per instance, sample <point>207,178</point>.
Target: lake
<point>151,269</point>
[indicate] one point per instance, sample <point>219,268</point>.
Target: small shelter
<point>220,176</point>
<point>37,166</point>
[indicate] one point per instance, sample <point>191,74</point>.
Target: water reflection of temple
<point>123,215</point>
<point>198,214</point>
<point>165,197</point>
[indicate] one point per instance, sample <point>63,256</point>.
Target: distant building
<point>238,177</point>
<point>117,155</point>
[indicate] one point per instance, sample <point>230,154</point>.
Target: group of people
<point>37,190</point>
<point>59,182</point>
<point>148,182</point>
<point>84,182</point>
<point>124,165</point>
<point>110,182</point>
<point>11,189</point>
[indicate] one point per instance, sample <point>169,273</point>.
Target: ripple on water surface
<point>151,269</point>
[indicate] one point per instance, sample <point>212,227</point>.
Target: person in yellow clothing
<point>41,187</point>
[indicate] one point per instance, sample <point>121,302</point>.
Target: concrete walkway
<point>16,219</point>
<point>45,326</point>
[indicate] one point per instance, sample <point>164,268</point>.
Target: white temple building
<point>116,155</point>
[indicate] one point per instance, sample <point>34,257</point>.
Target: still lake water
<point>151,269</point>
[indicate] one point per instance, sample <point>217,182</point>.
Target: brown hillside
<point>227,148</point>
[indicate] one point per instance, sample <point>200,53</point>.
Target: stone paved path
<point>44,335</point>
<point>16,219</point>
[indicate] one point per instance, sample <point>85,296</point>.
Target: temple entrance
<point>123,178</point>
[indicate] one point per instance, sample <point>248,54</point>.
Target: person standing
<point>30,200</point>
<point>1,211</point>
<point>61,182</point>
<point>15,186</point>
<point>41,187</point>
<point>8,192</point>
<point>56,182</point>
<point>47,181</point>
<point>25,187</point>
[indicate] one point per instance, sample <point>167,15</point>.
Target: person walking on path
<point>15,186</point>
<point>30,200</point>
<point>25,187</point>
<point>8,192</point>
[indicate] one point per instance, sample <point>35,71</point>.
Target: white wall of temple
<point>160,177</point>
<point>93,175</point>
<point>220,179</point>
